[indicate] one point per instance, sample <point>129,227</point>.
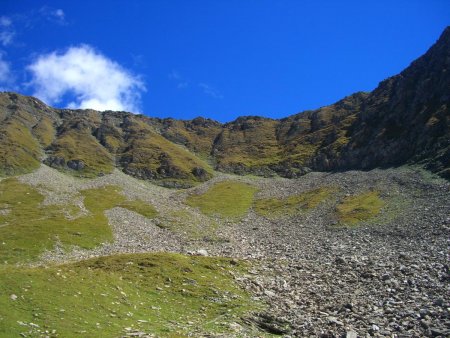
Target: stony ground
<point>384,277</point>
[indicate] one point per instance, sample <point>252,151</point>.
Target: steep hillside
<point>248,144</point>
<point>197,135</point>
<point>406,119</point>
<point>285,147</point>
<point>88,143</point>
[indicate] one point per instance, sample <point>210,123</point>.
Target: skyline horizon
<point>217,60</point>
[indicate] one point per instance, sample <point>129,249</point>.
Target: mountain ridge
<point>404,120</point>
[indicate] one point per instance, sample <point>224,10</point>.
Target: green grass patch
<point>140,207</point>
<point>164,294</point>
<point>275,207</point>
<point>358,208</point>
<point>19,149</point>
<point>226,199</point>
<point>28,228</point>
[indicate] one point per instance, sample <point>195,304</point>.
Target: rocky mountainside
<point>406,119</point>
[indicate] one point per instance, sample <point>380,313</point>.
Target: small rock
<point>439,302</point>
<point>235,327</point>
<point>234,262</point>
<point>334,320</point>
<point>269,293</point>
<point>423,312</point>
<point>339,260</point>
<point>13,297</point>
<point>424,324</point>
<point>351,334</point>
<point>202,252</point>
<point>437,332</point>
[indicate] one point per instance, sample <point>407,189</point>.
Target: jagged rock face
<point>407,118</point>
<point>404,120</point>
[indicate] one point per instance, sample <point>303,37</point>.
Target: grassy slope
<point>275,208</point>
<point>197,135</point>
<point>28,228</point>
<point>252,146</point>
<point>19,150</point>
<point>44,131</point>
<point>226,199</point>
<point>357,208</point>
<point>149,151</point>
<point>103,296</point>
<point>81,145</point>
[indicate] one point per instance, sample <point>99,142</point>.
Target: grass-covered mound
<point>164,294</point>
<point>358,208</point>
<point>229,199</point>
<point>275,207</point>
<point>28,228</point>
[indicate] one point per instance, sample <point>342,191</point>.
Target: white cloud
<point>59,13</point>
<point>6,31</point>
<point>210,91</point>
<point>180,80</point>
<point>6,37</point>
<point>5,71</point>
<point>93,80</point>
<point>55,15</point>
<point>6,75</point>
<point>5,21</point>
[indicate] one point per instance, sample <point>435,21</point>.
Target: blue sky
<point>219,59</point>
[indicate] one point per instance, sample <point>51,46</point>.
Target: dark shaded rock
<point>76,164</point>
<point>55,161</point>
<point>200,173</point>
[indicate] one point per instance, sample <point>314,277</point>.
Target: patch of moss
<point>28,228</point>
<point>274,208</point>
<point>358,208</point>
<point>102,297</point>
<point>228,199</point>
<point>19,150</point>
